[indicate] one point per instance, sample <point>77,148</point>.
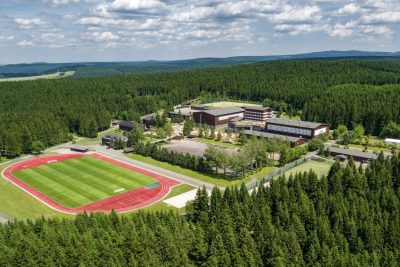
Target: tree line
<point>345,92</point>
<point>348,218</point>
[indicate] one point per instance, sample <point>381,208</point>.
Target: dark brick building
<point>218,117</point>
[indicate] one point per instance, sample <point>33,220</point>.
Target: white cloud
<point>294,15</point>
<point>6,38</point>
<point>25,43</point>
<point>134,6</point>
<point>342,30</point>
<point>384,17</point>
<point>30,23</point>
<point>350,9</point>
<point>297,29</point>
<point>102,36</point>
<point>353,29</point>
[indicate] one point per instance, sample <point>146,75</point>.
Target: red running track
<point>123,202</point>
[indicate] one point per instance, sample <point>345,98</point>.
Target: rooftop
<point>126,123</point>
<point>352,152</point>
<point>392,140</point>
<point>295,123</point>
<point>257,108</point>
<point>224,111</point>
<point>79,147</point>
<point>271,135</point>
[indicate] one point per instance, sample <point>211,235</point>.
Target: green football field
<point>83,180</point>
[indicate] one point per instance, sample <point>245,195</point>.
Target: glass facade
<point>288,129</point>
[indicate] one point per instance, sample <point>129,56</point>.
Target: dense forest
<point>338,92</point>
<point>349,218</point>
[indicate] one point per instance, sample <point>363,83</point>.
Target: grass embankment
<point>215,142</point>
<point>176,190</point>
<point>209,177</point>
<point>76,182</point>
<point>371,149</point>
<point>96,140</point>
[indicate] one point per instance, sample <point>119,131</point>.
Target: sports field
<point>319,167</point>
<point>225,104</point>
<point>79,181</point>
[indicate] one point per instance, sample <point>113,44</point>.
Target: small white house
<point>390,141</point>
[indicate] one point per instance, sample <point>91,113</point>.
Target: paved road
<point>119,155</point>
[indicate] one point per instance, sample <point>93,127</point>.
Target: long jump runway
<point>123,202</point>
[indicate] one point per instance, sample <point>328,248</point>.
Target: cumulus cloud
<point>350,9</point>
<point>6,38</point>
<point>294,15</point>
<point>384,17</point>
<point>30,23</point>
<point>185,24</point>
<point>25,43</point>
<point>132,6</point>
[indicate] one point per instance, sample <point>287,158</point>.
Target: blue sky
<point>130,30</point>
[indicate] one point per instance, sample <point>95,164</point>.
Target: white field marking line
<point>119,190</point>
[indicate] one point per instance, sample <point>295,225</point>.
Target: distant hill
<point>92,69</point>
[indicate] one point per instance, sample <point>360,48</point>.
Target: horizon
<point>70,31</point>
<point>184,59</point>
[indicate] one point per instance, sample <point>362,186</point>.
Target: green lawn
<point>17,203</point>
<point>319,167</point>
<point>96,140</point>
<point>56,75</point>
<point>206,177</point>
<point>215,142</point>
<point>176,190</point>
<point>80,181</point>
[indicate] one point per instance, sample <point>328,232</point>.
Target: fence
<point>278,171</point>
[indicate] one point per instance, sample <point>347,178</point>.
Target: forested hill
<point>97,69</point>
<point>349,218</point>
<point>337,92</point>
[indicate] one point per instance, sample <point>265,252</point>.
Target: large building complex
<point>296,128</point>
<point>258,113</point>
<point>218,117</point>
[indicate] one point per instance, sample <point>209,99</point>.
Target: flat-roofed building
<point>293,141</point>
<point>110,139</point>
<point>81,149</point>
<point>305,129</point>
<point>357,155</point>
<point>129,126</point>
<point>218,117</point>
<point>259,113</point>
